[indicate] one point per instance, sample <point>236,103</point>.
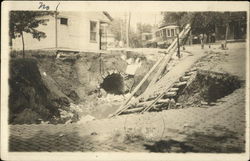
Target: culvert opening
<point>208,87</point>
<point>113,84</point>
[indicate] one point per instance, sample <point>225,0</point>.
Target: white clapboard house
<point>70,31</point>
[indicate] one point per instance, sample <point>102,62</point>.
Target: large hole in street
<point>208,87</point>
<point>113,84</point>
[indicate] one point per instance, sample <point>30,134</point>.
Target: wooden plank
<point>170,94</point>
<point>193,69</point>
<point>158,107</point>
<point>185,78</point>
<point>150,89</point>
<point>151,105</point>
<point>143,104</point>
<point>163,101</point>
<point>188,73</point>
<point>173,89</point>
<point>133,110</point>
<point>123,107</point>
<point>180,84</point>
<point>167,59</point>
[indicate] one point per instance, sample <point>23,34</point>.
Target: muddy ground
<point>218,127</point>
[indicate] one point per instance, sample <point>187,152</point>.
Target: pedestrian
<point>202,40</point>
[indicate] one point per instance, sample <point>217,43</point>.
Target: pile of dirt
<point>207,87</point>
<point>30,99</point>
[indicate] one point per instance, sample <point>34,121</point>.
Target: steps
<point>164,101</point>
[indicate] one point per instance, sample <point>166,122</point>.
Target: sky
<point>139,17</point>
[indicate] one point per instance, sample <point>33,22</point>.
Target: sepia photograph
<point>151,81</point>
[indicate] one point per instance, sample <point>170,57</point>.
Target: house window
<point>63,21</point>
<point>172,32</point>
<point>93,31</point>
<point>168,33</point>
<point>164,33</point>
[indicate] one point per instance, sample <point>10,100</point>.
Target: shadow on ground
<point>49,142</point>
<point>168,146</point>
<point>221,141</point>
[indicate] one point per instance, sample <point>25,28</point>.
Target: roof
<point>169,26</point>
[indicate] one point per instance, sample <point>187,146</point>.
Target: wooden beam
<point>172,47</point>
<point>159,96</point>
<point>165,59</point>
<point>185,78</point>
<point>133,110</point>
<point>170,94</point>
<point>173,89</point>
<point>122,107</point>
<point>180,84</point>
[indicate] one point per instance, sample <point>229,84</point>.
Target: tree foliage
<point>118,28</point>
<point>176,18</point>
<point>144,28</point>
<point>27,21</point>
<point>202,22</point>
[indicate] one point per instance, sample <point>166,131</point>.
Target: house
<point>69,31</point>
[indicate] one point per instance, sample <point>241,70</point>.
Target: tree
<point>173,18</point>
<point>26,21</point>
<point>134,39</point>
<point>201,22</point>
<point>117,27</point>
<point>140,29</point>
<point>143,28</point>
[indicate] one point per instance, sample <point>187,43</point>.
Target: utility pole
<point>128,26</point>
<point>155,19</point>
<point>56,13</point>
<point>121,22</point>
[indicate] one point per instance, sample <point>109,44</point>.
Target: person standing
<point>201,36</point>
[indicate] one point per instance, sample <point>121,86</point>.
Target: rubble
<point>85,119</point>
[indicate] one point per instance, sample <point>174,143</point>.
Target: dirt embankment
<point>79,77</point>
<point>30,99</point>
<point>49,85</point>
